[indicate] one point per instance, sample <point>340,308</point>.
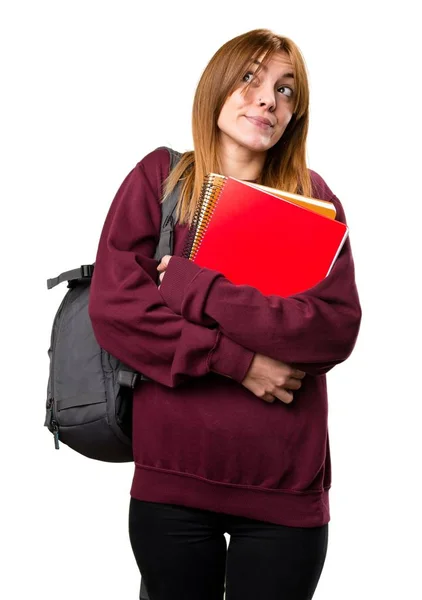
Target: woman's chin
<point>254,145</point>
<point>257,147</point>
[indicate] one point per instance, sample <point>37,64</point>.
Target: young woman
<point>230,433</point>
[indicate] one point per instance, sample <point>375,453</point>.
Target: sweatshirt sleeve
<point>128,315</point>
<point>314,330</point>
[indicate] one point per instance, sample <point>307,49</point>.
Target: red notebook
<point>256,238</point>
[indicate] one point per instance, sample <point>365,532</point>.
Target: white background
<point>90,87</point>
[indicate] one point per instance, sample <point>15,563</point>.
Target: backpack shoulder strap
<point>168,208</point>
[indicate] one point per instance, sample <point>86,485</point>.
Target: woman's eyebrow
<point>289,75</point>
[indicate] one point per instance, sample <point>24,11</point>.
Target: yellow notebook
<point>322,207</point>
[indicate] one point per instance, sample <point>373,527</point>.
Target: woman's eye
<point>247,77</point>
<point>286,90</point>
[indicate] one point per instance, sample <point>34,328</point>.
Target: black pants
<point>182,555</point>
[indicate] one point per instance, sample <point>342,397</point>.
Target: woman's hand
<point>163,266</point>
<point>269,379</point>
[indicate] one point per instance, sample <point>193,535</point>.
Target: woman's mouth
<point>259,122</point>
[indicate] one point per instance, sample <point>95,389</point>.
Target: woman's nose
<point>265,97</point>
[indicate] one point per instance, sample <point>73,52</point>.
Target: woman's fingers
<point>268,398</point>
<point>293,384</point>
<point>164,263</point>
<point>285,396</point>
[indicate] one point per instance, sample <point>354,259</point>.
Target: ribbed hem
<point>294,509</point>
<point>178,275</point>
<point>230,359</point>
<point>185,288</point>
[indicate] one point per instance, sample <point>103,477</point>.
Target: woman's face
<point>258,118</point>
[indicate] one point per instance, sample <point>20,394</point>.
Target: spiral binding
<point>210,193</point>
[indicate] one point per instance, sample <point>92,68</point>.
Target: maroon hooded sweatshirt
<point>200,438</point>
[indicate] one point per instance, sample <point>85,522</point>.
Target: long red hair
<point>285,165</point>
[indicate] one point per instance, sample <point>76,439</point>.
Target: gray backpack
<point>89,391</point>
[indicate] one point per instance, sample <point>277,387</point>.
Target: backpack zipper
<point>51,422</point>
<point>56,434</point>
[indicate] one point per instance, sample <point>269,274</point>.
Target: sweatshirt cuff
<point>230,359</point>
<point>185,288</point>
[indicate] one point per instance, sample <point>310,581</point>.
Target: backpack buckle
<point>87,271</point>
<point>127,378</point>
